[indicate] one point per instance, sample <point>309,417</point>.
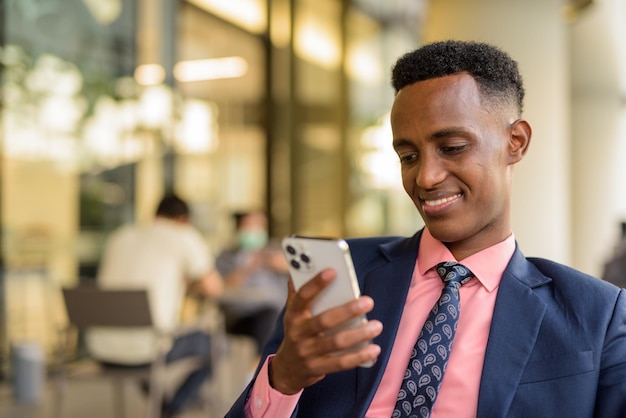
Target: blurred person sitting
<point>169,258</point>
<point>255,273</point>
<point>615,268</point>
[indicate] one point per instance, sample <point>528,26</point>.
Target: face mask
<point>253,239</point>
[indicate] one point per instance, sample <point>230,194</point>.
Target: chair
<point>89,306</point>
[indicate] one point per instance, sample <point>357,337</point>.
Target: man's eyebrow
<point>443,133</point>
<point>401,142</point>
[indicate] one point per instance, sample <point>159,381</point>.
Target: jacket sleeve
<point>611,396</point>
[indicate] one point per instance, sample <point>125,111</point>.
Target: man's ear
<point>521,132</point>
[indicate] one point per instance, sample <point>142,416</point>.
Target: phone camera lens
<point>305,258</point>
<point>291,250</point>
<point>295,264</point>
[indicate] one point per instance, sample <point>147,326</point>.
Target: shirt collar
<point>487,265</point>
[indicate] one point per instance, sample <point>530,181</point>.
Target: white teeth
<point>441,201</point>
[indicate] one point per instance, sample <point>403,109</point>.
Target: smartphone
<point>307,256</point>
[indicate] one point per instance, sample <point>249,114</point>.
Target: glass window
<point>62,61</point>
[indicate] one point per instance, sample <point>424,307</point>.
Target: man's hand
<point>308,351</point>
<point>211,285</point>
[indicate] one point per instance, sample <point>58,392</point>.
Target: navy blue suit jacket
<point>557,345</point>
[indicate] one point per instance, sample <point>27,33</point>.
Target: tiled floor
<point>94,398</point>
<point>91,399</point>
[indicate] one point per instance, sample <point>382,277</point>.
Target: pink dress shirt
<point>458,395</point>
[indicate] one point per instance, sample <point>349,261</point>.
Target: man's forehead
<point>442,92</point>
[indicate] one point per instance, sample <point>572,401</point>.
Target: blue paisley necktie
<point>430,354</point>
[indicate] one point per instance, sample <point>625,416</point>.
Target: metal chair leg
<point>59,389</point>
<point>156,394</point>
<point>119,404</point>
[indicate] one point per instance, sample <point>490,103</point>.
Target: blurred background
<point>280,105</point>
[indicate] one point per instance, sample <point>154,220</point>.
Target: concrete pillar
<point>535,35</point>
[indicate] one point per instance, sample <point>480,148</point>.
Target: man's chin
<point>443,231</point>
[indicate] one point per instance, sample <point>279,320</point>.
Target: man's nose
<point>430,172</point>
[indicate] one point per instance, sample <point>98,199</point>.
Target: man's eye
<point>453,150</point>
<point>408,158</point>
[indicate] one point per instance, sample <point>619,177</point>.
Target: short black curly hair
<point>496,73</point>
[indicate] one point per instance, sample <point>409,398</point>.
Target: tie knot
<point>453,272</point>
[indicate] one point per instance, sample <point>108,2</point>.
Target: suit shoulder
<point>371,246</point>
<point>569,277</point>
<point>373,252</point>
<point>372,241</point>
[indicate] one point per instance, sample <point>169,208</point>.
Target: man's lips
<point>437,204</point>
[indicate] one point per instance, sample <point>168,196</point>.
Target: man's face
<point>457,157</point>
<point>252,231</point>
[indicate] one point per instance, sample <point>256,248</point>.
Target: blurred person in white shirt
<point>169,258</point>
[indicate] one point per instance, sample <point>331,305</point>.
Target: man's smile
<point>438,204</point>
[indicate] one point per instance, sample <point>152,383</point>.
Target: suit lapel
<point>388,284</point>
<point>517,318</point>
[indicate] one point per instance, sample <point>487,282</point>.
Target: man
<point>615,268</point>
<point>534,338</point>
<point>255,273</point>
<point>168,258</point>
